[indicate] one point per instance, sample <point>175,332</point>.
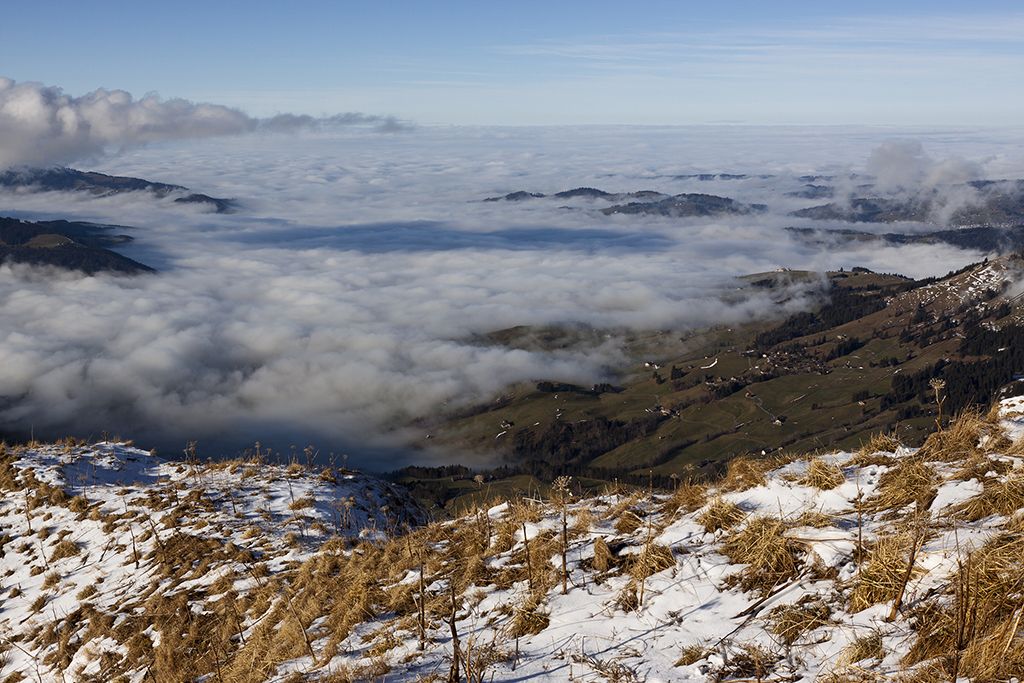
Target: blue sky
<point>542,63</point>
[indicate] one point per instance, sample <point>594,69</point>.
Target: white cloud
<point>42,126</point>
<point>344,299</point>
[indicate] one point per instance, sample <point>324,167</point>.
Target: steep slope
<point>891,563</point>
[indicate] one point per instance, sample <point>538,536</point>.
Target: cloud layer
<point>347,297</point>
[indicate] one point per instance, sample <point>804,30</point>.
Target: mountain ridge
<point>64,179</point>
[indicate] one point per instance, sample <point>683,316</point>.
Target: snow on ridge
<point>658,587</point>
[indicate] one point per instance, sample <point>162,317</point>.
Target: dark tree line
<point>844,347</point>
<point>967,382</point>
<point>564,387</point>
<point>563,443</point>
<point>843,307</point>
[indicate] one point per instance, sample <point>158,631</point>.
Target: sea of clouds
<point>347,294</point>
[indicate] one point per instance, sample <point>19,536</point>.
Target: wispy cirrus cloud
<point>919,52</point>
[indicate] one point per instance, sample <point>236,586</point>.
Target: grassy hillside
<point>857,366</point>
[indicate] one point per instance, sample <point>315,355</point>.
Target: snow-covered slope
<point>107,529</point>
<point>880,565</point>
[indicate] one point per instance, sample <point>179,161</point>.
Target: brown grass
<point>882,579</point>
<point>687,497</point>
<point>87,592</point>
<point>628,522</point>
<point>984,618</point>
<point>912,480</point>
<point>51,581</point>
<point>604,560</point>
<point>691,654</point>
<point>823,475</point>
<point>815,519</point>
<point>651,560</point>
<point>865,647</point>
<point>721,514</point>
<point>749,662</point>
<point>789,622</point>
<point>963,438</point>
<point>527,619</point>
<point>877,451</point>
<point>65,548</point>
<point>745,473</point>
<point>980,466</point>
<point>1003,497</point>
<point>771,558</point>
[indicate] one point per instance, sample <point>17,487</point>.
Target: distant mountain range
<point>988,239</point>
<point>69,179</point>
<point>648,202</point>
<point>999,203</point>
<point>991,219</point>
<point>79,245</point>
<point>986,203</point>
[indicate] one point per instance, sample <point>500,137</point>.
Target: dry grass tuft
<point>926,673</point>
<point>604,560</point>
<point>749,661</point>
<point>628,522</point>
<point>527,619</point>
<point>745,473</point>
<point>979,635</point>
<point>877,451</point>
<point>51,580</point>
<point>383,641</point>
<point>87,592</point>
<point>687,497</point>
<point>628,599</point>
<point>814,519</point>
<point>721,514</point>
<point>582,520</point>
<point>823,475</point>
<point>622,504</point>
<point>693,653</point>
<point>39,603</point>
<point>66,548</point>
<point>789,622</point>
<point>302,503</point>
<point>864,647</point>
<point>653,559</point>
<point>475,572</point>
<point>980,466</point>
<point>912,480</point>
<point>968,434</point>
<point>882,579</point>
<point>771,558</point>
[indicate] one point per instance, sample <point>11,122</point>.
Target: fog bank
<point>344,298</point>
